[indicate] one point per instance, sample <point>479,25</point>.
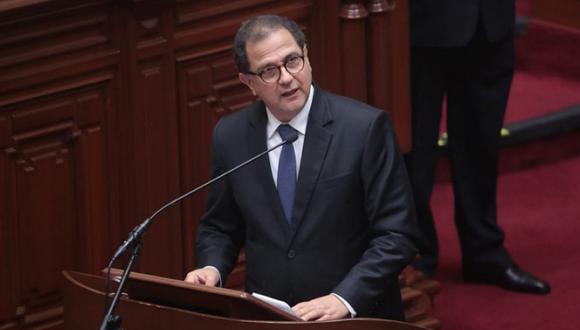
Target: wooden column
<point>380,57</point>
<point>353,16</point>
<point>388,51</point>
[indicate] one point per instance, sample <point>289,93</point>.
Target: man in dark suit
<point>336,246</point>
<point>463,51</point>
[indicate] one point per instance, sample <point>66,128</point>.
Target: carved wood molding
<point>353,10</point>
<point>7,5</point>
<point>381,6</point>
<point>56,189</point>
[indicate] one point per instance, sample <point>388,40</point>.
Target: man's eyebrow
<point>290,55</point>
<point>293,54</point>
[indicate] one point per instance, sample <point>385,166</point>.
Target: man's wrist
<point>348,306</point>
<point>218,272</point>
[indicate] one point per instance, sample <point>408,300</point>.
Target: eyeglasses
<point>271,74</point>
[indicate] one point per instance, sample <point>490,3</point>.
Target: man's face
<point>286,96</point>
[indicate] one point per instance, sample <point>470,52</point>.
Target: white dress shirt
<point>299,123</point>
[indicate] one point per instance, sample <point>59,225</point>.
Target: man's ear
<point>305,52</point>
<point>244,79</point>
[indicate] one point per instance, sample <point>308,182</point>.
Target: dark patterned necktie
<point>287,172</point>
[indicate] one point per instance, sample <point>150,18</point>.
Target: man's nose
<point>285,76</point>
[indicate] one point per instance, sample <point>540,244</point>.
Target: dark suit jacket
<point>452,23</point>
<point>353,217</point>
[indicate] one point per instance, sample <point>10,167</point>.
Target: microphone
<point>138,231</point>
<point>134,239</point>
<point>291,138</point>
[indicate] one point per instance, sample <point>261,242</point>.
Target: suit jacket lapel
<point>316,143</point>
<point>257,144</point>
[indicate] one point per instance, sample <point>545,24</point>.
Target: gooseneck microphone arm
<point>111,322</point>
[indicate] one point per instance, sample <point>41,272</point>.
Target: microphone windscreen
<point>292,137</point>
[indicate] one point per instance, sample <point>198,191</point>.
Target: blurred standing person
<point>463,51</point>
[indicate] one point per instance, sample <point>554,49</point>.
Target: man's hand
<point>207,276</point>
<point>321,309</point>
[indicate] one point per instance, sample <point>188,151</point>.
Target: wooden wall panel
<point>158,173</point>
<point>38,48</point>
<point>150,130</point>
<point>200,109</point>
<point>55,157</point>
<point>57,98</point>
<point>8,254</point>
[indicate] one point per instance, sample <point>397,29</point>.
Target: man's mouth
<point>290,92</point>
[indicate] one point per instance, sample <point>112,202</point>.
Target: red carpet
<point>538,201</point>
<point>547,76</point>
<point>539,209</point>
<point>525,104</point>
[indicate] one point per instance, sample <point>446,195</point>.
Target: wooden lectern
<point>157,303</point>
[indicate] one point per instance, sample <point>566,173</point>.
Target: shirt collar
<point>299,122</point>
